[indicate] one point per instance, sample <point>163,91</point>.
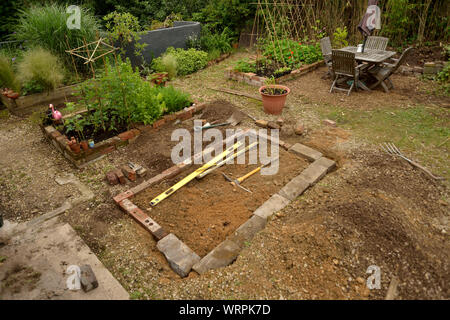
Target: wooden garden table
<point>371,57</point>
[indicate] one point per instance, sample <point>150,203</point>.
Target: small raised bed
<point>25,105</point>
<point>101,148</point>
<point>258,81</point>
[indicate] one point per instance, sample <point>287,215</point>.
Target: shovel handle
<point>248,175</point>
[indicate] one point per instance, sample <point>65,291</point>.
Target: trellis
<point>282,19</point>
<point>91,52</point>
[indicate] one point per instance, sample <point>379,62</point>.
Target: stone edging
<point>104,147</point>
<point>180,257</point>
<point>254,80</point>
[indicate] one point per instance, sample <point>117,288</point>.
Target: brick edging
<point>104,147</point>
<point>184,259</point>
<point>254,80</point>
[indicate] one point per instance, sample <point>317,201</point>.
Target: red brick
<point>329,122</point>
<point>159,123</point>
<point>122,196</point>
<point>184,115</point>
<point>171,172</point>
<point>127,135</point>
<point>170,117</point>
<point>120,176</point>
<point>136,132</point>
<point>112,178</point>
<point>108,150</point>
<point>129,173</point>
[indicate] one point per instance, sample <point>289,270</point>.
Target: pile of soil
<point>204,212</point>
<point>419,56</point>
<point>153,147</point>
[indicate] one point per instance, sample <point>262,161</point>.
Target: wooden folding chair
<point>325,45</point>
<point>344,65</point>
<point>376,43</point>
<point>382,73</point>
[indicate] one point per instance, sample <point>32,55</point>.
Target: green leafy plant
<point>167,23</point>
<point>41,67</point>
<point>213,43</point>
<point>339,37</point>
<point>77,124</point>
<point>8,77</point>
<point>46,26</point>
<point>31,87</point>
<point>188,61</point>
<point>125,28</point>
<point>245,66</point>
<point>175,100</point>
<point>167,63</point>
<point>290,53</point>
<point>118,97</point>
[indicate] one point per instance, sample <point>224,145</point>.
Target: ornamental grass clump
<point>41,67</point>
<point>8,77</point>
<point>46,26</point>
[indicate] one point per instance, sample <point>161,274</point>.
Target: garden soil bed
<point>205,212</point>
<point>154,146</point>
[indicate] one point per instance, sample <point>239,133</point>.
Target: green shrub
<point>8,77</point>
<point>42,67</point>
<point>245,66</point>
<point>125,29</point>
<point>167,63</point>
<point>291,53</point>
<point>188,61</point>
<point>175,100</point>
<point>444,75</point>
<point>213,43</point>
<point>46,26</point>
<point>339,38</point>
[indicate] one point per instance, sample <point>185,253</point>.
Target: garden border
<point>255,80</point>
<point>104,147</point>
<point>181,258</point>
<point>23,105</point>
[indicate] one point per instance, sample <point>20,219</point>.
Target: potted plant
<point>274,96</point>
<point>74,145</point>
<point>159,79</point>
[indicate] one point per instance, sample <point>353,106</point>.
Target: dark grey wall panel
<point>159,40</point>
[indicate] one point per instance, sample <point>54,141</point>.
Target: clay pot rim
<point>275,86</point>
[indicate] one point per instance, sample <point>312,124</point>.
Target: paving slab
<point>294,188</point>
<point>314,173</point>
<point>247,231</point>
<point>48,249</point>
<point>180,257</point>
<point>326,163</point>
<point>221,256</point>
<point>268,208</point>
<point>306,152</point>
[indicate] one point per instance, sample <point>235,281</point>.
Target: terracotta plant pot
<point>13,95</point>
<point>235,45</point>
<point>274,104</point>
<point>84,145</point>
<point>75,147</point>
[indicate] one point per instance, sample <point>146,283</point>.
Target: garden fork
<point>390,148</point>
